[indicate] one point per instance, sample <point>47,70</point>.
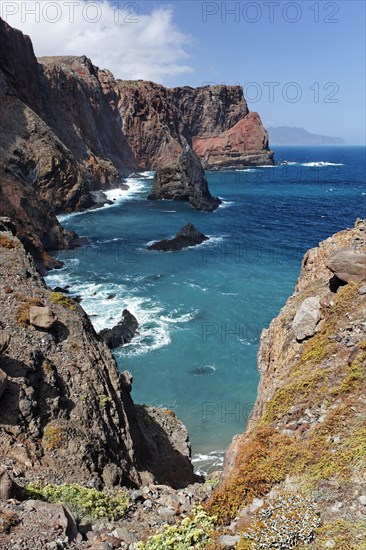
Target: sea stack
<point>183,179</point>
<point>187,236</point>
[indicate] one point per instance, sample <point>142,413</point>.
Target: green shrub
<point>62,300</point>
<point>82,501</point>
<point>192,532</point>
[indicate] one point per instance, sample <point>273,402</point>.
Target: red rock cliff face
<point>214,120</point>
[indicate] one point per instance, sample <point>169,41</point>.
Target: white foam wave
<point>208,463</point>
<point>148,173</point>
<point>104,303</point>
<point>135,188</point>
<point>193,285</point>
<point>321,163</point>
<point>225,204</point>
<point>180,319</point>
<point>246,170</point>
<point>212,239</point>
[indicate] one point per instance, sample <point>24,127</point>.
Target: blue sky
<point>312,54</point>
<point>301,63</point>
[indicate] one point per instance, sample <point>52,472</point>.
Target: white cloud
<point>128,43</point>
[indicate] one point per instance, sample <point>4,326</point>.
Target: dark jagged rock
<point>7,225</point>
<point>183,179</point>
<point>122,333</point>
<point>188,236</point>
<point>66,412</point>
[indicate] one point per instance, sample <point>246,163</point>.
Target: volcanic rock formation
<point>183,179</point>
<point>187,236</point>
<point>68,129</point>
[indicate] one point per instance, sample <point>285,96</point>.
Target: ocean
<point>201,311</point>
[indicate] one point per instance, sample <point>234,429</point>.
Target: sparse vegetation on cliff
<point>62,300</point>
<point>82,501</point>
<point>310,431</point>
<point>193,532</point>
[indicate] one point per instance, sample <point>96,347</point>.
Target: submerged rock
<point>183,179</point>
<point>187,236</point>
<point>122,333</point>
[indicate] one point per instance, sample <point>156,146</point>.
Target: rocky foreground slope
<point>68,129</point>
<point>66,414</point>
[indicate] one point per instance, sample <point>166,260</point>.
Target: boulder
<point>306,318</point>
<point>183,179</point>
<point>42,317</point>
<point>187,236</point>
<point>348,265</point>
<point>122,333</point>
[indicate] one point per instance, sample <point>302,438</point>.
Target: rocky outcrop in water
<point>122,333</point>
<point>183,179</point>
<point>187,236</point>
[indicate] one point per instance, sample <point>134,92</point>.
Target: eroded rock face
<point>310,405</point>
<point>66,412</point>
<point>69,129</point>
<point>188,236</point>
<point>183,179</point>
<point>213,120</point>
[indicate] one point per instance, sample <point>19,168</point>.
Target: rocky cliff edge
<point>297,476</point>
<point>66,413</point>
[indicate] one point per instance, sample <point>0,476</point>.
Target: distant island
<point>288,135</point>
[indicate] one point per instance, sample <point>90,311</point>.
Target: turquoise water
<point>201,311</point>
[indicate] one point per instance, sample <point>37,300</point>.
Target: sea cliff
<point>303,453</point>
<point>69,129</point>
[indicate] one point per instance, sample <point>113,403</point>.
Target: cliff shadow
<point>160,448</point>
<point>335,284</point>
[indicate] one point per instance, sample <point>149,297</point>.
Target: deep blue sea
<point>201,311</point>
